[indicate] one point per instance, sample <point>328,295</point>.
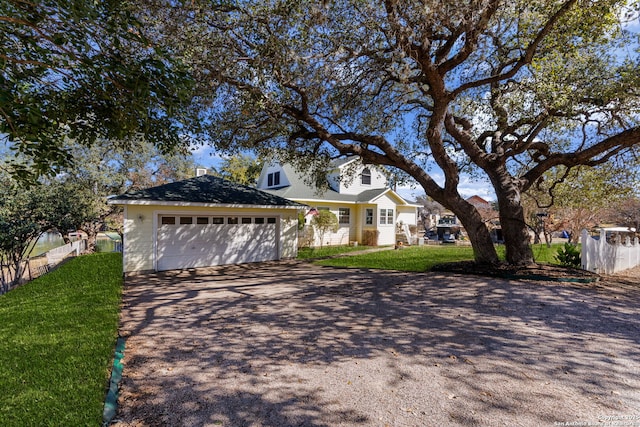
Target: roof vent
<point>201,171</point>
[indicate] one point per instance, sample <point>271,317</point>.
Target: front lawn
<point>327,251</point>
<point>58,336</point>
<point>423,258</point>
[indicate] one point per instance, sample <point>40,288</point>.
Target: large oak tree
<point>508,89</point>
<point>83,70</point>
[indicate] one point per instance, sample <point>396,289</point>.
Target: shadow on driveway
<point>293,344</point>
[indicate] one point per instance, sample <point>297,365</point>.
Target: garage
<point>189,241</point>
<point>205,221</point>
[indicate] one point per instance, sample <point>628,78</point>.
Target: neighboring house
<point>205,221</point>
<point>480,203</point>
<point>367,210</point>
<point>489,215</point>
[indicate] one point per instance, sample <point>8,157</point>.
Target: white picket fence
<point>602,257</point>
<point>54,256</point>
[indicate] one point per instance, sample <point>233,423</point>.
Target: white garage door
<point>201,241</point>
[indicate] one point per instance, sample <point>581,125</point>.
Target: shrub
<point>569,256</point>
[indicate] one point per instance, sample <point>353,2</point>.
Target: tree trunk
<point>512,220</point>
<point>483,249</point>
<point>92,229</point>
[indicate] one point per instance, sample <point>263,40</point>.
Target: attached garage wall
<point>137,249</point>
<point>143,223</point>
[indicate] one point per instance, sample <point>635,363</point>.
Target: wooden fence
<point>603,257</point>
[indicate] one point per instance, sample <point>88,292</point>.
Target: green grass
<point>325,251</point>
<point>57,341</point>
<point>423,258</point>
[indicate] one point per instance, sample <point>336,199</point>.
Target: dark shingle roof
<point>204,189</point>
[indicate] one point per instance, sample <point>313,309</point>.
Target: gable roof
<point>204,189</point>
<point>298,189</point>
<point>479,202</point>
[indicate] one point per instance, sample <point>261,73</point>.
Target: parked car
<point>448,238</point>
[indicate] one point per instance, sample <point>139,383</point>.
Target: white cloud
<point>205,155</point>
<point>468,187</point>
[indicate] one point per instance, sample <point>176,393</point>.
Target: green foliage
<point>325,221</point>
<point>412,258</point>
<point>241,168</point>
<point>84,71</point>
<point>569,256</point>
<point>102,170</point>
<point>23,219</point>
<point>58,336</point>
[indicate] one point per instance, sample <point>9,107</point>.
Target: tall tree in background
<point>27,213</point>
<point>103,170</point>
<point>626,213</point>
<point>84,71</point>
<point>508,89</point>
<point>241,168</point>
<point>579,198</point>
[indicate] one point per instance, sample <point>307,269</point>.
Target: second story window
<point>273,179</point>
<point>366,176</point>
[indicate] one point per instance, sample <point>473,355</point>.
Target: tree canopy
<point>505,89</point>
<point>83,71</point>
<point>241,168</point>
<point>509,90</point>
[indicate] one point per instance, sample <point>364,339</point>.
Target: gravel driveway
<point>293,344</point>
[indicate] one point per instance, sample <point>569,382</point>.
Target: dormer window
<point>273,179</point>
<point>366,176</point>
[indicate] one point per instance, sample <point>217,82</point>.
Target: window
<point>186,220</point>
<point>368,216</point>
<point>217,220</point>
<point>259,221</point>
<point>386,216</point>
<point>202,220</point>
<point>271,220</point>
<point>232,220</point>
<point>168,220</point>
<point>365,177</point>
<point>343,215</point>
<point>246,220</point>
<point>273,179</point>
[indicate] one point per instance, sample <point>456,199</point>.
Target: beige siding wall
<point>289,235</point>
<point>354,185</point>
<point>407,215</point>
<point>346,232</point>
<point>138,244</point>
<point>141,221</point>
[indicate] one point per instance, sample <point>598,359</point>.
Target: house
<point>480,203</point>
<point>205,221</point>
<point>367,210</point>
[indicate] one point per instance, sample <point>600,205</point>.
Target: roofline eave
<point>200,204</point>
